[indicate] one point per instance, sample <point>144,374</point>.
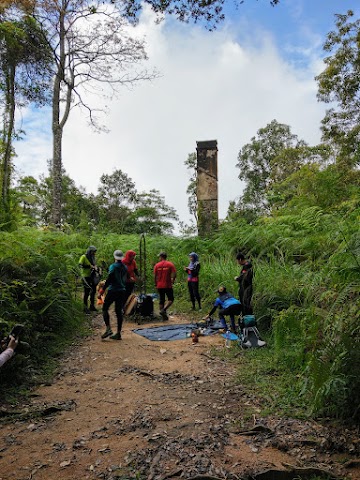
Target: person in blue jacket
<point>229,305</point>
<point>116,285</point>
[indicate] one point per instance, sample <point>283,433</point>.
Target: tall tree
<point>339,83</point>
<point>76,204</point>
<point>28,195</point>
<point>24,62</point>
<point>259,160</point>
<point>91,49</point>
<point>117,196</point>
<point>152,214</point>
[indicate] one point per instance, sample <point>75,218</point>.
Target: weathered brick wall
<point>207,187</point>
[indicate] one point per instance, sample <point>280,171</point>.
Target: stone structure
<point>207,187</point>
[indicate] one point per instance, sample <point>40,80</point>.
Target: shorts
<point>168,292</point>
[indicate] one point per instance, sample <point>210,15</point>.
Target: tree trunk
<point>57,174</point>
<point>57,122</point>
<point>9,120</point>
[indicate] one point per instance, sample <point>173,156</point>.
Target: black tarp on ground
<point>175,332</point>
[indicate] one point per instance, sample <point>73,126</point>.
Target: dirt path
<point>156,410</point>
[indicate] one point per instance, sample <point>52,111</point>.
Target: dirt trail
<point>156,410</point>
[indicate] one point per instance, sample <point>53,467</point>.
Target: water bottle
<point>227,339</point>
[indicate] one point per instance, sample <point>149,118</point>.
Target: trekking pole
<point>143,262</point>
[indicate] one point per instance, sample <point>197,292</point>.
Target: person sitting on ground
<point>164,276</point>
<point>132,273</point>
<point>9,350</point>
<point>87,264</point>
<point>229,305</point>
<point>115,284</point>
<point>245,280</point>
<point>193,270</point>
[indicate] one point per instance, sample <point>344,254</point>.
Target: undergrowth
<point>306,301</point>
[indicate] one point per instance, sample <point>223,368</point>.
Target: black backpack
<point>145,306</point>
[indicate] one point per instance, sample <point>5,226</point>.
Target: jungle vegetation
<point>297,219</point>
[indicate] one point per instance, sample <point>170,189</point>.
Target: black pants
<point>118,298</point>
<point>89,291</point>
<point>194,293</point>
<point>245,295</point>
<point>231,311</point>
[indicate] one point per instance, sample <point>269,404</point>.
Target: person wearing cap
<point>115,285</point>
<point>193,270</point>
<point>229,305</point>
<point>245,281</point>
<point>164,276</point>
<point>87,264</point>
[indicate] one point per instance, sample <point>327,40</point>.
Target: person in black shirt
<point>245,280</point>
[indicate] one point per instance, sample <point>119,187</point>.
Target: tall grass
<point>306,293</point>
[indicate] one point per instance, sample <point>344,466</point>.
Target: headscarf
<point>90,254</point>
<point>194,260</point>
<point>129,257</point>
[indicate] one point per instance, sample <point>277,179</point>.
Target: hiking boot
<point>86,311</point>
<point>107,333</point>
<point>116,336</point>
<point>164,315</point>
<point>93,308</point>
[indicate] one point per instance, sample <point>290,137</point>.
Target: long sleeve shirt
<point>6,355</point>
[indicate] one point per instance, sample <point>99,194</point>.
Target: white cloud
<point>212,88</point>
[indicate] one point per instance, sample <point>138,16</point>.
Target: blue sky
<point>259,65</point>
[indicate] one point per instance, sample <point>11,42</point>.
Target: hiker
<point>164,275</point>
<point>193,270</point>
<point>245,284</point>
<point>132,273</point>
<point>90,277</point>
<point>9,350</point>
<point>115,285</point>
<point>229,305</point>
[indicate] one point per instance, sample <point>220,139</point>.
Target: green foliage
<point>191,165</point>
<point>339,83</point>
<point>117,208</point>
<point>24,77</point>
<point>260,163</point>
<point>37,290</point>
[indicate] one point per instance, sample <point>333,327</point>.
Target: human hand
<point>13,343</point>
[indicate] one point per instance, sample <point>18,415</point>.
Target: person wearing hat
<point>164,276</point>
<point>229,305</point>
<point>193,270</point>
<point>115,284</point>
<point>87,264</point>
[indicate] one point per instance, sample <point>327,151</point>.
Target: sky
<point>223,85</point>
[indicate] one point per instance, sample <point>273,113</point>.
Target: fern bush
<point>306,292</point>
<point>35,292</point>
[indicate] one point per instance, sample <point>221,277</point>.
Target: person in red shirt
<point>164,275</point>
<point>132,272</point>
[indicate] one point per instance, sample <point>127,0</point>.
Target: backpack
<point>145,306</point>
